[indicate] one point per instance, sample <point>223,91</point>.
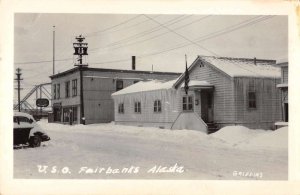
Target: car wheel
<point>35,141</point>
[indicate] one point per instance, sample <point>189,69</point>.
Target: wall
<point>267,109</point>
<point>98,87</point>
<point>71,100</point>
<point>223,94</point>
<point>284,74</point>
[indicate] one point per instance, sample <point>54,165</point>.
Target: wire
<point>141,34</point>
<point>183,36</point>
<point>111,27</point>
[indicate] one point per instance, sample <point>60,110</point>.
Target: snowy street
<point>111,151</point>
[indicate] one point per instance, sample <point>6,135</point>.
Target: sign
<point>42,102</point>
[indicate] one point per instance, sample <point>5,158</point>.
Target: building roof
<point>237,67</point>
<point>70,71</point>
<point>244,67</point>
<point>153,85</point>
<point>146,86</point>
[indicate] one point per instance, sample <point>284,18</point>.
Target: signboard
<point>42,102</point>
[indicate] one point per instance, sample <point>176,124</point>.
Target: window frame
<point>117,85</point>
<point>54,91</point>
<point>74,87</point>
<point>121,108</point>
<point>188,106</point>
<point>58,91</point>
<point>251,96</point>
<point>157,106</point>
<point>67,89</point>
<point>137,107</point>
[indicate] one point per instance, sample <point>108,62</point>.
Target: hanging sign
<point>42,102</point>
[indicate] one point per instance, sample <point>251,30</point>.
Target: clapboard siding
<point>267,101</point>
<point>223,94</point>
<point>171,101</point>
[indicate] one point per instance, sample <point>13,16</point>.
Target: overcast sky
<point>158,40</point>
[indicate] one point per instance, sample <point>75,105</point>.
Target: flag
<point>186,78</point>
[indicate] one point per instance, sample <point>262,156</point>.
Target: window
<point>251,95</point>
<point>251,99</point>
<point>121,108</point>
<point>157,106</point>
<point>58,91</point>
<point>54,91</point>
<point>137,107</point>
<point>187,103</point>
<point>74,113</point>
<point>67,87</point>
<point>119,85</point>
<point>74,87</point>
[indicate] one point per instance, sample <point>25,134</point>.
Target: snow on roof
<point>146,86</point>
<point>195,83</point>
<point>281,61</point>
<point>282,85</point>
<point>242,67</point>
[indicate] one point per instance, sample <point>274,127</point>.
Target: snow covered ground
<point>126,152</point>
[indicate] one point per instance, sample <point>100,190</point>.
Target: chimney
<point>133,62</point>
<point>254,60</point>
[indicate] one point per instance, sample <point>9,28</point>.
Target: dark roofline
<point>111,70</point>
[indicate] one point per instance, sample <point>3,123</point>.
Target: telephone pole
<point>80,48</point>
<point>18,73</point>
<point>53,50</point>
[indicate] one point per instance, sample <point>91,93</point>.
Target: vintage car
<point>27,131</point>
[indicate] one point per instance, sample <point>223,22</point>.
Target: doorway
<point>207,106</point>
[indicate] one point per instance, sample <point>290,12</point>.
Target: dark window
<point>58,91</point>
<point>67,85</point>
<point>74,113</point>
<point>119,85</point>
<point>252,99</point>
<point>137,107</point>
<point>74,87</point>
<point>54,91</point>
<point>23,119</point>
<point>157,106</point>
<point>187,103</point>
<point>251,95</point>
<point>121,108</point>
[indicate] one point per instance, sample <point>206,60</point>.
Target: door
<point>286,112</point>
<point>206,106</point>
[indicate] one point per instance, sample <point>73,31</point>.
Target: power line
<point>141,34</point>
<point>111,27</point>
<point>183,36</point>
<point>199,39</point>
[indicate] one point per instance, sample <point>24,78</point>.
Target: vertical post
<point>82,118</point>
<point>53,50</point>
<point>19,89</point>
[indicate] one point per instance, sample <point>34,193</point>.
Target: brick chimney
<point>133,62</point>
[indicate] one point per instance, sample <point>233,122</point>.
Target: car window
<point>15,119</point>
<point>23,119</point>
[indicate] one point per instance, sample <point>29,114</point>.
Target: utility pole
<point>18,73</point>
<point>81,50</point>
<point>53,50</point>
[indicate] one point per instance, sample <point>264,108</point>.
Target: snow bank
<point>236,134</point>
<point>243,137</point>
<point>273,139</point>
